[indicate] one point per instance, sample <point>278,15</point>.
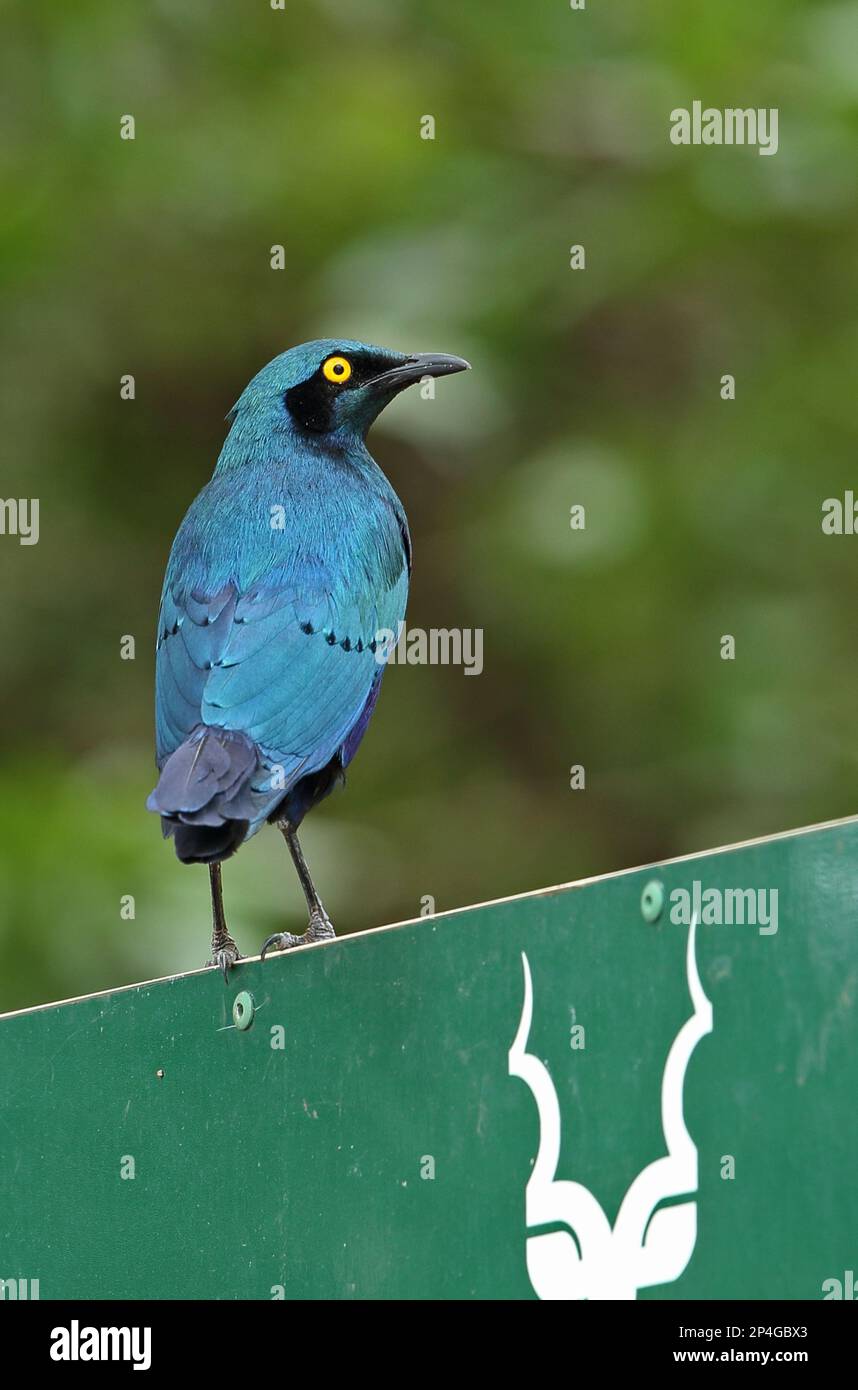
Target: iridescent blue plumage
<point>286,568</point>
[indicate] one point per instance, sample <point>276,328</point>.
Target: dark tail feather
<point>205,844</point>
<point>205,796</point>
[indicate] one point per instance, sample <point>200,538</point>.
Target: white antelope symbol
<point>591,1259</point>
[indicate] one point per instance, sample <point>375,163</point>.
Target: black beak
<point>416,367</point>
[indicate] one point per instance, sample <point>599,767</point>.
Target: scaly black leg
<point>319,927</point>
<point>224,950</point>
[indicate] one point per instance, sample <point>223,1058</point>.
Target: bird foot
<point>224,955</point>
<point>319,928</point>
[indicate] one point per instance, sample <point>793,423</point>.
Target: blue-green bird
<point>286,571</point>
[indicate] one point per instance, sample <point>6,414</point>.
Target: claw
<point>224,959</point>
<point>281,941</point>
<point>319,929</point>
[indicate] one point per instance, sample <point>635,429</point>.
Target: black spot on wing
<point>406,539</point>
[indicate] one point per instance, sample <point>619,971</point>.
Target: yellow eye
<point>337,369</point>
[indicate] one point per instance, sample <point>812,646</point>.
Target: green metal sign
<point>639,1086</point>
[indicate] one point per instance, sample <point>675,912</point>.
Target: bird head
<point>334,386</point>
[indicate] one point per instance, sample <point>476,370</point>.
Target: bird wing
<point>290,660</point>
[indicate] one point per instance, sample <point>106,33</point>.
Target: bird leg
<point>320,927</point>
<point>224,950</point>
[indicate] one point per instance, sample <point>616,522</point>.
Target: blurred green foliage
<point>600,387</point>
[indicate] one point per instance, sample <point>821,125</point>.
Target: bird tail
<point>205,795</point>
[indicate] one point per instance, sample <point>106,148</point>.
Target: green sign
<point>641,1086</point>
